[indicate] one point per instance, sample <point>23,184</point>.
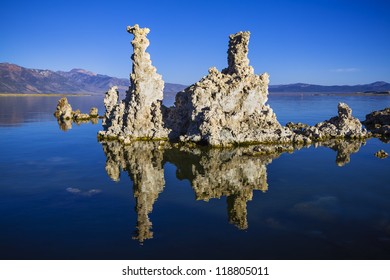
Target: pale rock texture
<point>138,116</point>
<point>63,110</point>
<point>94,112</point>
<point>65,116</point>
<point>78,116</point>
<point>344,125</point>
<point>114,112</point>
<point>227,108</point>
<point>378,122</point>
<point>381,154</point>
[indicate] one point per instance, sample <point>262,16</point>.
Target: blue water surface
<point>64,195</point>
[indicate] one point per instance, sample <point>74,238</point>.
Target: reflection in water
<point>67,124</point>
<point>344,149</point>
<point>64,124</point>
<point>213,173</point>
<point>144,163</point>
<point>234,173</point>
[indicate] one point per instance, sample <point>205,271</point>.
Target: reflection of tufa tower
<point>234,173</point>
<point>213,173</point>
<point>143,162</point>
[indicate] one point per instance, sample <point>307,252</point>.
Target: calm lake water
<point>64,195</point>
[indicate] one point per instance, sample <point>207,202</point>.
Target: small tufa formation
<point>63,110</point>
<point>381,154</point>
<point>378,122</point>
<point>138,116</point>
<point>94,112</point>
<point>344,125</point>
<point>227,108</point>
<point>78,116</point>
<point>65,115</point>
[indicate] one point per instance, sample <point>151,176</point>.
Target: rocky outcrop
<point>78,116</point>
<point>94,112</point>
<point>223,109</point>
<point>381,154</point>
<point>229,107</point>
<point>63,110</point>
<point>342,126</point>
<point>138,116</point>
<point>65,115</point>
<point>378,122</point>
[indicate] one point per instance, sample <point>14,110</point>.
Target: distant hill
<point>300,87</point>
<point>17,79</point>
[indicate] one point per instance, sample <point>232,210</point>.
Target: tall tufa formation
<point>138,116</point>
<point>228,107</point>
<point>223,109</point>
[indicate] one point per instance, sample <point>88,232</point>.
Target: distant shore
<point>45,94</point>
<point>330,93</point>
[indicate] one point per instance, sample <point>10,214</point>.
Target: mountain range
<point>302,88</point>
<point>17,79</point>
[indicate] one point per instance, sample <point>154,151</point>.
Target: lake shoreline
<point>45,94</point>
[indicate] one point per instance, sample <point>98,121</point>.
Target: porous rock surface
<point>228,107</point>
<point>138,116</point>
<point>344,125</point>
<point>222,109</point>
<point>63,110</point>
<point>378,122</point>
<point>381,154</point>
<point>94,112</point>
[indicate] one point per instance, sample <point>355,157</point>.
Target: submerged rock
<point>138,116</point>
<point>381,154</point>
<point>378,122</point>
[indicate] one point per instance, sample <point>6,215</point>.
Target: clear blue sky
<point>321,42</point>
